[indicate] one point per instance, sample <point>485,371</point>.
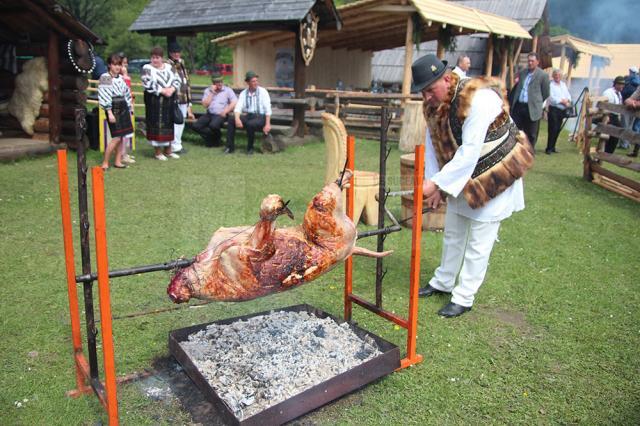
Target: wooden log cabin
<point>32,29</point>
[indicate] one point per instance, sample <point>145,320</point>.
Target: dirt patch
<point>514,319</point>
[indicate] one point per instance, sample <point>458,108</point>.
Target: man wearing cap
<point>528,98</point>
<point>219,100</point>
<point>183,95</point>
<point>475,156</point>
<point>614,96</point>
<point>253,110</point>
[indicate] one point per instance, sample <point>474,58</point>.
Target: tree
<point>92,13</point>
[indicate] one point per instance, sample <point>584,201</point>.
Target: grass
<point>553,336</point>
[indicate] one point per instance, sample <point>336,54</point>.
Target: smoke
<point>612,21</point>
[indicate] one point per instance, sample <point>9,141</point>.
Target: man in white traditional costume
<point>475,156</point>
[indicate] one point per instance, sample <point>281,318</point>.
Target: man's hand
<point>239,123</point>
<point>190,115</point>
<point>428,188</point>
<point>266,128</point>
<point>111,117</point>
<point>434,201</point>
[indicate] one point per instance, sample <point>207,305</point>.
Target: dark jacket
<point>538,92</point>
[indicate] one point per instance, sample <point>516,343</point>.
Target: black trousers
<point>251,123</point>
<point>555,123</point>
<point>209,125</point>
<point>521,117</point>
<point>611,144</point>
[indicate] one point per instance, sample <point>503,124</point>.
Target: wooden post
<point>563,57</point>
<point>569,73</point>
<point>408,60</point>
<point>351,192</point>
<point>440,49</point>
<point>488,69</point>
<point>100,226</point>
<point>299,86</point>
<point>503,63</point>
<point>53,69</point>
<point>534,44</point>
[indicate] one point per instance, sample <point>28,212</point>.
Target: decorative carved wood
<point>309,36</point>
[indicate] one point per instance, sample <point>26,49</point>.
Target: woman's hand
<point>111,117</point>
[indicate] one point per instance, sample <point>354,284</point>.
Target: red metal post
<point>414,276</point>
<point>348,265</point>
<point>65,206</point>
<point>99,219</point>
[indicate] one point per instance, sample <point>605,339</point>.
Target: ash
<point>259,362</point>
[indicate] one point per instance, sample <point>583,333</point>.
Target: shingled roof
<point>166,17</point>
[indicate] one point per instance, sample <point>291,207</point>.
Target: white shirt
<point>613,96</point>
<point>257,102</point>
<point>486,105</point>
<point>459,71</point>
<point>558,92</point>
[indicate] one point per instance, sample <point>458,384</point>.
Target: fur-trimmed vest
<point>506,154</point>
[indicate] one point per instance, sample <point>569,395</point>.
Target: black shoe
<point>451,310</point>
<point>555,151</point>
<point>250,151</point>
<point>228,151</point>
<point>546,151</point>
<point>430,291</point>
<point>632,154</point>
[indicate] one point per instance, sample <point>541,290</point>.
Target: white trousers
<point>176,145</point>
<point>465,255</point>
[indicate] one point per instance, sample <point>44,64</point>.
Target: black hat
<point>425,71</point>
<point>619,80</point>
<point>216,78</point>
<point>249,75</point>
<point>174,47</point>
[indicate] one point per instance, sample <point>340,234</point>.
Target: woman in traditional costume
<point>114,97</point>
<point>127,140</point>
<point>160,85</point>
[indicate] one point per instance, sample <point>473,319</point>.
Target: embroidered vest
<point>506,154</point>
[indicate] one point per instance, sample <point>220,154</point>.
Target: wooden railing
<point>598,127</point>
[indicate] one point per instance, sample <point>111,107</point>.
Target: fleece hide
<point>31,84</point>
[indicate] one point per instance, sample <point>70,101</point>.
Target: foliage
<point>114,19</point>
<point>552,337</point>
<point>92,13</point>
<point>556,30</point>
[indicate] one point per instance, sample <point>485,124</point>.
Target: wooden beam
<point>299,86</point>
<point>394,8</point>
<point>563,56</point>
<point>408,57</point>
<point>488,66</point>
<point>360,39</point>
<point>45,18</point>
<point>53,70</point>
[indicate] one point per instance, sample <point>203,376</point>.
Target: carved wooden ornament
<point>309,36</point>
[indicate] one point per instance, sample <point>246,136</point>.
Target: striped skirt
<point>122,126</point>
<point>159,117</point>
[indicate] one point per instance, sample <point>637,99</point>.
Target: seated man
<point>253,111</point>
<point>219,100</point>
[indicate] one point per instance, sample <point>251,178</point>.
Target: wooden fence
<point>598,128</point>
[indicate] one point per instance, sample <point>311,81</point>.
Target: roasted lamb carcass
<point>243,263</point>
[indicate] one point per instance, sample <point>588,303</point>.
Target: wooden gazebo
<point>571,47</point>
<point>374,25</point>
<point>301,19</point>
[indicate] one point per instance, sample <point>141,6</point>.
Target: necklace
<point>73,62</point>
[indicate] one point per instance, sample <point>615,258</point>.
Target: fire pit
<point>274,366</point>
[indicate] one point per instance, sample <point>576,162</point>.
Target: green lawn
<point>553,336</point>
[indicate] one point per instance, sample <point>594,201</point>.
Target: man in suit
<point>528,98</point>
